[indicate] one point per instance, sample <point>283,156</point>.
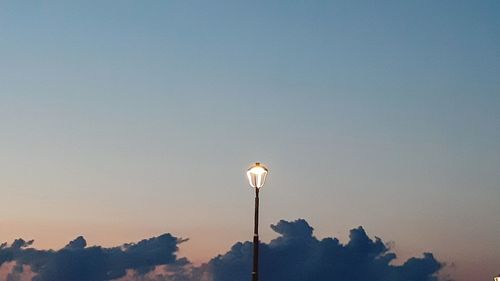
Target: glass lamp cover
<point>257,175</point>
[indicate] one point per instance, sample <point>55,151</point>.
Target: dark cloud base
<point>76,262</point>
<point>296,255</point>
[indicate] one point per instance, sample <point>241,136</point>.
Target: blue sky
<point>141,117</point>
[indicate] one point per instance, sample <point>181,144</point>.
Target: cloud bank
<point>296,255</point>
<point>77,262</point>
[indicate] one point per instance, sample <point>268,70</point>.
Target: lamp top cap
<point>258,164</point>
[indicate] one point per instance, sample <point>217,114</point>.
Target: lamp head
<point>257,174</point>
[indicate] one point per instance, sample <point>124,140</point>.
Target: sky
<point>122,120</point>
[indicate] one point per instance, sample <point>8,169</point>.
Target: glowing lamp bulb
<point>257,175</point>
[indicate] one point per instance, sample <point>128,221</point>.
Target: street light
<point>256,174</point>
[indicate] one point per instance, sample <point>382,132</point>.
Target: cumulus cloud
<point>77,262</point>
<point>77,244</point>
<point>299,256</point>
<point>295,255</point>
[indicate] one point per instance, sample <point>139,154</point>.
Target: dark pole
<point>255,272</point>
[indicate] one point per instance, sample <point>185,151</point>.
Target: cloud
<point>77,244</point>
<point>296,255</point>
<point>299,256</point>
<point>77,262</point>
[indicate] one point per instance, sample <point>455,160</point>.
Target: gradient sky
<point>126,119</point>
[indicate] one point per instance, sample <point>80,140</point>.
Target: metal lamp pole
<point>256,177</point>
<point>255,272</point>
